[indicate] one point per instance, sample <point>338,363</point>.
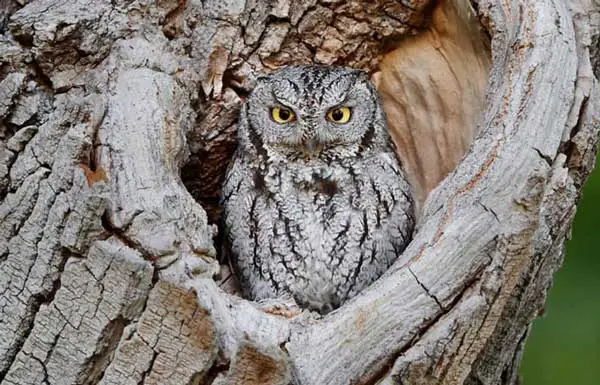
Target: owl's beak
<point>312,146</point>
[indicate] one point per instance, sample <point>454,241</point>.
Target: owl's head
<point>313,112</point>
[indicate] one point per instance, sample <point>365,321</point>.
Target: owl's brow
<point>283,101</point>
<point>344,93</point>
<point>281,98</point>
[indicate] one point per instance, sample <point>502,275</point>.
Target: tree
<point>115,115</point>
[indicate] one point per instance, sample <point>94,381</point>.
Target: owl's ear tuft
<point>359,75</point>
<point>260,81</point>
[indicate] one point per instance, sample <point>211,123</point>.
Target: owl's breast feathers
<point>318,232</point>
<point>315,203</point>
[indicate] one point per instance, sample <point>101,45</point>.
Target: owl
<point>315,203</point>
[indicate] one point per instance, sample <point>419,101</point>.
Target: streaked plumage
<point>314,208</point>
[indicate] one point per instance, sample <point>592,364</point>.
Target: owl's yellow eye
<point>339,114</point>
<point>282,115</point>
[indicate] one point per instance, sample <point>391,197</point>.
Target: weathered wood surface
<point>433,88</point>
<point>107,260</point>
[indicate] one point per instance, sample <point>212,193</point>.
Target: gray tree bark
<point>117,120</point>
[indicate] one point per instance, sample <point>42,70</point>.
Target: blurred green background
<point>564,345</point>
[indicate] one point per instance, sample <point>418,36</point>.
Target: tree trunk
<point>117,121</point>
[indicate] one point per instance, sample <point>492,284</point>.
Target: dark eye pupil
<point>337,115</point>
<point>284,114</point>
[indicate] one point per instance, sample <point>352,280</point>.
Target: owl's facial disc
<point>308,112</point>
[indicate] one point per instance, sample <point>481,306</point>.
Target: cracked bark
<point>117,120</point>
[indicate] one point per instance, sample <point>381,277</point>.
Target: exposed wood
<point>433,89</point>
<point>107,261</point>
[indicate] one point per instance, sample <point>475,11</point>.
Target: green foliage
<point>564,345</point>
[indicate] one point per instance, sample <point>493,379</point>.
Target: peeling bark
<point>118,119</point>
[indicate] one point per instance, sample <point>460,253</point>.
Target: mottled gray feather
<point>318,226</point>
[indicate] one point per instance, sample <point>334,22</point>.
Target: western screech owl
<point>315,203</point>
